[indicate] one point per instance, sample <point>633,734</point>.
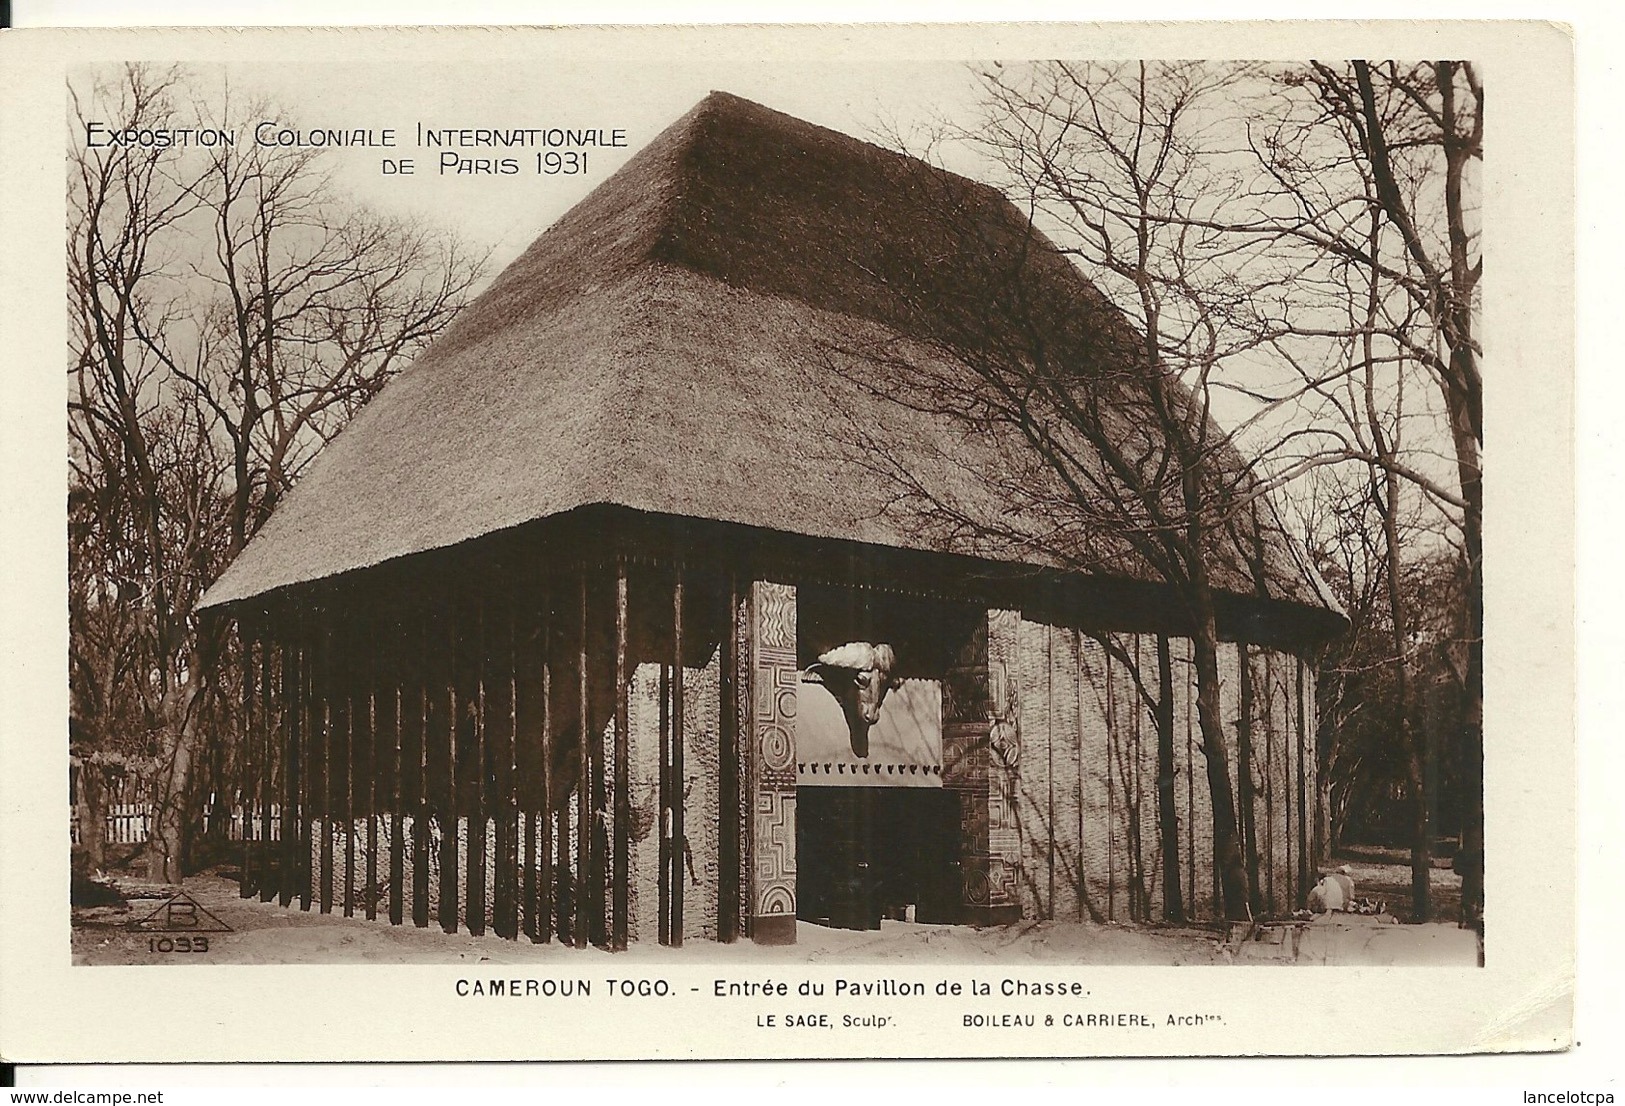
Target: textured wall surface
<point>1087,807</point>
<point>1049,743</point>
<point>702,707</point>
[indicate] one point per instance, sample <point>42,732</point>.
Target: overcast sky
<point>506,213</point>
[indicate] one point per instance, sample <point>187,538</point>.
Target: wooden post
<point>293,764</point>
<point>1303,817</point>
<point>507,897</point>
<point>249,782</point>
<point>349,671</point>
<point>563,895</point>
<point>1079,870</point>
<point>620,872</point>
<point>678,849</point>
<point>397,842</point>
<point>1246,818</point>
<point>326,757</point>
<point>1286,769</point>
<point>267,887</point>
<point>1190,785</point>
<point>1269,793</point>
<point>371,886</point>
<point>420,821</point>
<point>1049,772</point>
<point>474,910</point>
<point>450,823</point>
<point>1173,900</point>
<point>664,824</point>
<point>542,816</point>
<point>730,844</point>
<point>1111,794</point>
<point>308,746</point>
<point>584,789</point>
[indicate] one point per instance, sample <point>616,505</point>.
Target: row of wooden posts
<point>291,707</point>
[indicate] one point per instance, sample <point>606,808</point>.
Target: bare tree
<point>229,313</point>
<point>1127,164</point>
<point>1122,462</point>
<point>1371,167</point>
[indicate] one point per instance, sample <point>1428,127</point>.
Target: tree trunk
<point>1227,858</point>
<point>1471,861</point>
<point>1244,780</point>
<point>173,817</point>
<point>1173,903</point>
<point>1324,744</point>
<point>93,815</point>
<point>1421,823</point>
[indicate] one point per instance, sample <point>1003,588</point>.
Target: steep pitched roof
<point>674,344</point>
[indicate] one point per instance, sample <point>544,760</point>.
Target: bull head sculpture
<point>859,675</point>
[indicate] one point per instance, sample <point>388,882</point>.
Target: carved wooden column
<point>774,677</point>
<point>981,751</point>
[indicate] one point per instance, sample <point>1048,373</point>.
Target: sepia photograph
<point>1046,523</point>
<point>999,517</point>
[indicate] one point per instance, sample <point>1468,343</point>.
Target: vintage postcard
<point>735,542</point>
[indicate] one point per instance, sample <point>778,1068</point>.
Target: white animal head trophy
<point>860,675</point>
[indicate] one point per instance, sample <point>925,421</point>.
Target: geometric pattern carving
<point>775,606</point>
<point>775,678</point>
<point>775,853</point>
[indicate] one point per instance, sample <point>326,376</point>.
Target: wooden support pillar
<point>325,759</point>
<point>450,823</point>
<point>1279,731</point>
<point>248,788</point>
<point>272,746</point>
<point>731,881</point>
<point>564,901</point>
<point>677,786</point>
<point>981,744</point>
<point>310,756</point>
<point>348,673</point>
<point>532,813</point>
<point>1173,900</point>
<point>1246,813</point>
<point>1193,907</point>
<point>1300,730</point>
<point>1082,785</point>
<point>620,873</point>
<point>1271,790</point>
<point>541,835</point>
<point>370,886</point>
<point>397,821</point>
<point>293,764</point>
<point>582,883</point>
<point>1111,790</point>
<point>474,910</point>
<point>506,917</point>
<point>1048,827</point>
<point>420,819</point>
<point>664,823</point>
<point>774,676</point>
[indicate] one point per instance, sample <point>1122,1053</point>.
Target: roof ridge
<point>662,346</point>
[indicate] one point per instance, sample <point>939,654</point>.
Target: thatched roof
<point>690,339</point>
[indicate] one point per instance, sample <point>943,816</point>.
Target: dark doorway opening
<point>867,853</point>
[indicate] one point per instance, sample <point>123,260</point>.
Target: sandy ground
<point>265,933</point>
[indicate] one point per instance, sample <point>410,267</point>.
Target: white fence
<point>130,809</point>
